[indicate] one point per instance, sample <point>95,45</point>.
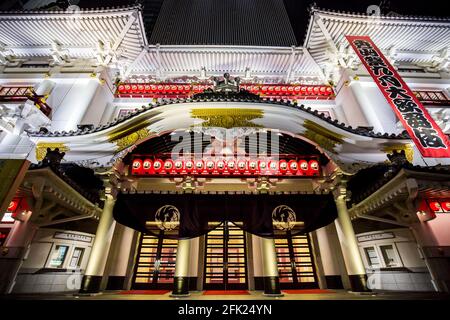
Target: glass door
<point>225,265</point>
<point>155,265</point>
<point>295,262</point>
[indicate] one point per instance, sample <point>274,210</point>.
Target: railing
<point>432,98</point>
<point>17,94</point>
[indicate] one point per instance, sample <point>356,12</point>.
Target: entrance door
<point>155,264</point>
<point>225,263</point>
<point>295,262</point>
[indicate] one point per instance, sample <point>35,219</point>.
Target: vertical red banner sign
<point>423,130</point>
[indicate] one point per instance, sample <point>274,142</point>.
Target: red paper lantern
<point>273,166</point>
<point>210,165</point>
<point>435,206</point>
<point>252,165</point>
<point>199,166</point>
<point>303,164</point>
<point>189,165</point>
<point>13,205</point>
<point>220,165</point>
<point>179,165</point>
<point>168,165</point>
<point>293,166</point>
<point>262,166</point>
<point>314,167</point>
<point>147,166</point>
<point>158,165</point>
<point>283,165</point>
<point>242,165</point>
<point>445,205</point>
<point>231,165</point>
<point>136,166</point>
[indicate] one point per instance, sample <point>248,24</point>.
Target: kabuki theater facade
<point>212,152</point>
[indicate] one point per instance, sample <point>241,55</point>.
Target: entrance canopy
<point>182,216</point>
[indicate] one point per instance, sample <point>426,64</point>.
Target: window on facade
<point>58,256</point>
<point>372,257</point>
<point>389,256</point>
<point>77,256</point>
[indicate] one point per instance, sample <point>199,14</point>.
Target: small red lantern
<point>210,166</point>
<point>303,164</point>
<point>252,165</point>
<point>283,165</point>
<point>199,166</point>
<point>189,165</point>
<point>13,205</point>
<point>168,165</point>
<point>147,166</point>
<point>242,165</point>
<point>231,165</point>
<point>445,205</point>
<point>293,166</point>
<point>435,206</point>
<point>179,165</point>
<point>136,166</point>
<point>262,166</point>
<point>314,167</point>
<point>220,165</point>
<point>158,165</point>
<point>273,166</point>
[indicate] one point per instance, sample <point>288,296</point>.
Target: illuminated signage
<point>423,130</point>
<point>291,166</point>
<point>375,236</point>
<point>72,236</point>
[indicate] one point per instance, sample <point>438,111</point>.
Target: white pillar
<point>181,277</point>
<point>97,260</point>
<point>329,256</point>
<point>119,257</point>
<point>270,267</point>
<point>352,257</point>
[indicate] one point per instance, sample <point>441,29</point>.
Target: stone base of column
<point>180,287</point>
<point>115,283</point>
<point>272,287</point>
<point>90,284</point>
<point>358,283</point>
<point>334,282</point>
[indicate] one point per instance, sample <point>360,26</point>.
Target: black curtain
<point>184,216</point>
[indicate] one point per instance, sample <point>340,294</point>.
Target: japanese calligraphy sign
<point>426,134</point>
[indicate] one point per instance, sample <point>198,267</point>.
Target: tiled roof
<point>369,180</point>
<point>82,184</point>
<point>217,97</point>
<point>415,39</point>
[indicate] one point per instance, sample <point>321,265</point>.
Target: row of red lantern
<point>265,89</point>
<point>222,166</point>
<point>439,205</point>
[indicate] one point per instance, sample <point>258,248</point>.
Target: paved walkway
<point>253,295</point>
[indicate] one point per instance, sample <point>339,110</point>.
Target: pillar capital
<point>340,192</point>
